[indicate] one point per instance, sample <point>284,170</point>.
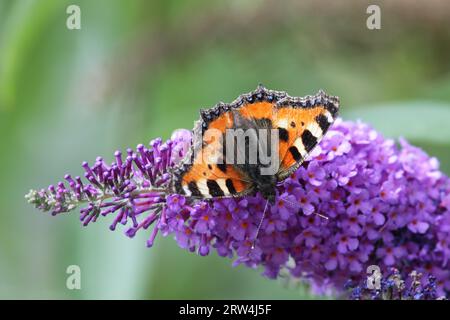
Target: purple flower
<point>418,226</point>
<point>390,255</point>
<point>332,262</point>
<point>359,203</point>
<point>304,200</point>
<point>377,213</point>
<point>346,243</point>
<point>359,200</point>
<point>314,174</point>
<point>175,202</point>
<point>285,206</point>
<point>337,145</point>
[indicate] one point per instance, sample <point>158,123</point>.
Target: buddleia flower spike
<point>387,205</point>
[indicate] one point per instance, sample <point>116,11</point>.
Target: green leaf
<point>23,28</point>
<point>417,120</point>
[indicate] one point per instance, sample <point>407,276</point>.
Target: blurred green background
<point>140,69</point>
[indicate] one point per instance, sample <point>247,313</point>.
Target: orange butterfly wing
<point>304,121</point>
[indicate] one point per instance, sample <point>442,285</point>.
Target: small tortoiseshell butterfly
<point>300,123</point>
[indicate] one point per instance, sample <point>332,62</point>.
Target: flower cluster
<point>130,187</point>
<point>359,200</point>
<point>393,287</point>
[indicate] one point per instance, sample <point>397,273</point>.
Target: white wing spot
<point>282,123</point>
<point>203,188</point>
<point>187,191</point>
<point>315,129</point>
<point>223,186</point>
<point>300,147</point>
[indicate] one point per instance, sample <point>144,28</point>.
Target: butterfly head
<point>266,186</point>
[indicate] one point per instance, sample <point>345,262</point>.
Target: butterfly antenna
<point>321,215</point>
<point>259,225</point>
<point>384,226</point>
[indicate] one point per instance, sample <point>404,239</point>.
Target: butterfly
<point>295,124</point>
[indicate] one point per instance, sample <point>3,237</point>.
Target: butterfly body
<point>232,143</point>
